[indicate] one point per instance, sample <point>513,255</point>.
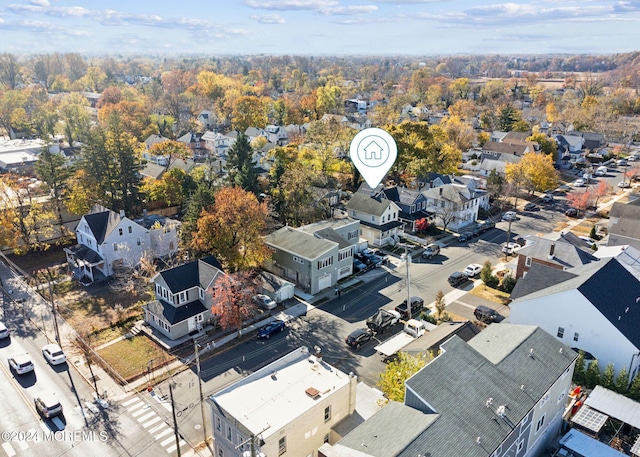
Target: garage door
<point>324,282</point>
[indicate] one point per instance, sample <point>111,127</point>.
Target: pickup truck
<point>413,329</point>
<point>382,320</point>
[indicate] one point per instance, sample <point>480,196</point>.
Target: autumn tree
<point>516,177</point>
<point>232,228</point>
<point>601,190</point>
<point>9,71</point>
<point>73,113</point>
<point>580,200</point>
<point>13,116</point>
<point>171,150</point>
<point>459,133</point>
<point>175,95</point>
<point>392,379</point>
<point>249,111</point>
<point>539,173</point>
<point>135,279</point>
<point>547,145</point>
<point>328,99</point>
<point>241,171</point>
<point>201,198</point>
<point>232,299</point>
<point>440,305</point>
<point>460,88</point>
<point>172,188</point>
<point>293,196</point>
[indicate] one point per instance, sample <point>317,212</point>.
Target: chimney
<point>318,354</point>
<point>121,213</point>
<point>552,249</point>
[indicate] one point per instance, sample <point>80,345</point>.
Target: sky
<point>319,27</point>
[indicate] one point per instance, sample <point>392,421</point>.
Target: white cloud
<point>286,5</point>
<point>350,10</point>
<point>268,18</point>
<point>40,2</point>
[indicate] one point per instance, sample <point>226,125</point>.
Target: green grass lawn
<point>130,357</point>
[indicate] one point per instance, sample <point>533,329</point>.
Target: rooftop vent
<point>312,392</point>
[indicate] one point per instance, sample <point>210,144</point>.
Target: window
<point>326,438</point>
<point>353,213</point>
<point>540,424</point>
<point>352,235</point>
<point>229,433</point>
<point>576,336</point>
<point>282,445</point>
<point>182,297</point>
<point>201,294</point>
<point>138,241</point>
<point>520,445</point>
<point>220,452</point>
<point>298,259</point>
<point>373,218</point>
<point>327,413</point>
<point>544,399</point>
<point>130,229</point>
<point>560,332</point>
<point>241,440</point>
<point>325,262</point>
<point>218,424</point>
<point>120,232</point>
<point>528,262</point>
<point>561,396</point>
<point>115,247</point>
<point>345,254</point>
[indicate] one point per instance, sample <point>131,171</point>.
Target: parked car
<point>382,320</point>
<point>510,247</point>
<point>4,331</point>
<point>622,163</point>
<point>588,241</point>
<point>571,212</point>
<point>358,337</point>
<point>530,207</point>
<point>487,315</point>
<point>472,270</point>
<point>578,182</point>
<point>486,225</point>
<point>53,353</point>
<point>624,184</point>
<point>271,328</point>
<point>417,304</point>
<point>601,171</point>
<point>431,250</point>
<point>382,255</point>
<point>510,216</point>
<point>21,364</point>
<point>456,278</point>
<point>358,266</point>
<point>465,236</point>
<point>48,405</point>
<point>522,241</point>
<point>547,198</point>
<point>264,301</point>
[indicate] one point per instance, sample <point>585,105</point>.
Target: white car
<point>510,247</point>
<point>472,270</point>
<point>588,240</point>
<point>624,184</point>
<point>264,301</point>
<point>4,331</point>
<point>21,364</point>
<point>510,216</point>
<point>53,354</point>
<point>579,183</point>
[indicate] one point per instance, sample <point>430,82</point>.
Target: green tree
<point>487,276</point>
<point>508,283</point>
<point>73,113</point>
<point>201,198</point>
<point>52,170</point>
<point>579,370</point>
<point>12,111</point>
<point>392,380</point>
<point>634,389</point>
<point>622,381</point>
<point>294,196</point>
<point>608,377</point>
<point>495,184</point>
<point>241,171</point>
<point>507,117</point>
<point>592,375</point>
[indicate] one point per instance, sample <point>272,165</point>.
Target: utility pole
<point>506,250</point>
<point>55,318</point>
<point>408,261</point>
<point>204,422</point>
<point>175,422</point>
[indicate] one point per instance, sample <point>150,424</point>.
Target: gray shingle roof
<point>299,242</point>
<point>459,382</point>
<point>196,273</point>
<point>565,254</point>
<point>174,315</point>
<point>102,223</point>
<point>539,277</point>
<point>364,203</point>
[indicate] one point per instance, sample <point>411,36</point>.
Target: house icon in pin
<point>373,151</point>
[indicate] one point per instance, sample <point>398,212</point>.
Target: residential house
<point>287,408</point>
<point>624,224</point>
<point>515,137</point>
<point>593,141</point>
<point>379,218</point>
<point>455,206</point>
<point>275,287</point>
<point>156,170</point>
<point>217,143</point>
<point>490,161</point>
<point>206,119</point>
<point>148,156</point>
<point>353,105</point>
<point>296,131</point>
<point>558,254</point>
<point>358,122</point>
<point>569,147</point>
<point>194,142</point>
<point>107,240</point>
<point>496,136</point>
<point>277,135</point>
<point>254,132</point>
<point>502,393</point>
<point>513,148</point>
<point>312,259</point>
<point>412,205</point>
<point>182,304</point>
<point>593,308</point>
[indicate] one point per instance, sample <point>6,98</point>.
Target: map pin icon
<point>373,152</point>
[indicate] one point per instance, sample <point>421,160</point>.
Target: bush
<point>426,316</point>
<point>508,283</point>
<point>491,281</point>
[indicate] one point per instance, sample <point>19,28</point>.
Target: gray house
<point>624,224</point>
<point>314,259</point>
<point>501,394</point>
<point>379,218</point>
<point>182,305</point>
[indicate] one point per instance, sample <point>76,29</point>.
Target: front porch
<point>85,264</point>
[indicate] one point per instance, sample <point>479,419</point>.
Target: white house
<point>455,205</point>
<point>379,219</point>
<point>107,239</point>
<point>287,408</point>
<point>594,308</point>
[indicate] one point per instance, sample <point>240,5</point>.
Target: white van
<point>601,171</point>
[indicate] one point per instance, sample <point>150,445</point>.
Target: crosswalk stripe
<point>136,406</point>
<point>167,441</point>
<point>24,445</point>
<point>146,416</point>
<point>151,422</point>
<point>132,400</point>
<point>174,447</point>
<point>8,449</point>
<point>160,435</point>
<point>156,428</point>
<point>140,411</point>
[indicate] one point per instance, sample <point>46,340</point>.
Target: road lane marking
<point>160,435</point>
<point>172,448</point>
<point>157,428</point>
<point>132,400</point>
<point>140,411</point>
<point>136,406</point>
<point>146,416</point>
<point>151,422</point>
<point>8,449</point>
<point>167,441</point>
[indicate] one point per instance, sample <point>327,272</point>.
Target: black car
<point>358,337</point>
<point>456,278</point>
<point>487,315</point>
<point>465,236</point>
<point>530,207</point>
<point>417,304</point>
<point>571,212</point>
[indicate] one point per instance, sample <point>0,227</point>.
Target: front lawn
<point>494,295</point>
<point>134,356</point>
